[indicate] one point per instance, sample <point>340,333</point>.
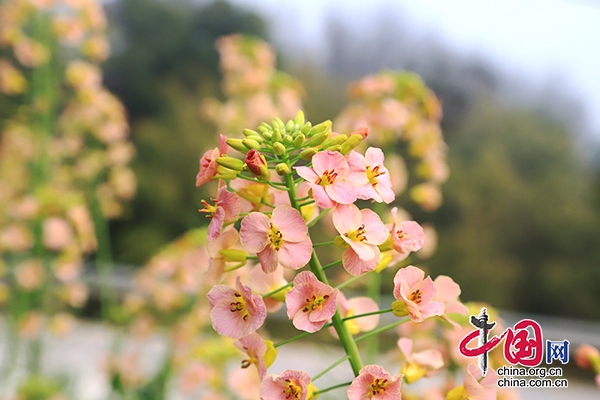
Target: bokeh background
<point>520,223</point>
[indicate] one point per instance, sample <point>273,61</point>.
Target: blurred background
<point>520,223</point>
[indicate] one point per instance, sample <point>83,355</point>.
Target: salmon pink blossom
<point>311,303</point>
<point>226,210</point>
<point>356,306</point>
<point>208,162</point>
<point>235,312</point>
<point>407,236</point>
<point>373,382</point>
<point>414,294</point>
<point>474,387</point>
<point>222,250</point>
<point>369,176</point>
<point>447,292</point>
<point>363,231</point>
<point>327,179</point>
<point>419,364</point>
<point>261,353</point>
<point>289,385</point>
<point>279,239</point>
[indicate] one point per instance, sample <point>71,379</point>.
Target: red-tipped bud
<point>257,164</point>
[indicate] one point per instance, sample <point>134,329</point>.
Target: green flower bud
<point>351,143</point>
<point>251,144</point>
<point>237,145</point>
<point>250,132</point>
<point>306,128</point>
<point>318,139</point>
<point>324,126</point>
<point>289,125</point>
<point>288,140</point>
<point>399,308</point>
<point>307,154</point>
<point>278,148</point>
<point>340,242</point>
<point>276,135</point>
<point>339,139</point>
<point>268,135</point>
<point>231,163</point>
<point>233,255</point>
<point>299,118</point>
<point>225,173</point>
<point>278,123</point>
<point>299,141</point>
<point>337,147</point>
<point>282,169</point>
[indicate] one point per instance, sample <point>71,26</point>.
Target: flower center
<point>400,234</point>
<point>292,389</point>
<point>239,306</point>
<point>416,296</point>
<point>378,386</point>
<point>314,303</point>
<point>275,237</point>
<point>208,209</point>
<point>357,235</point>
<point>327,179</point>
<point>373,174</point>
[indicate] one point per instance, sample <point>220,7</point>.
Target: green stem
<point>331,265</point>
<point>380,330</point>
<point>332,366</point>
<point>104,261</point>
<point>317,218</point>
<point>341,385</point>
<point>277,290</point>
<point>387,310</point>
<point>315,245</point>
<point>293,339</point>
<point>351,280</point>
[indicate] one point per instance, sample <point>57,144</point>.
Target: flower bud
<point>340,242</point>
<point>324,126</point>
<point>318,139</point>
<point>282,169</point>
<point>299,141</point>
<point>306,128</point>
<point>276,135</point>
<point>233,255</point>
<point>299,118</point>
<point>399,308</point>
<point>289,126</point>
<point>308,153</point>
<point>231,163</point>
<point>288,140</point>
<point>278,123</point>
<point>237,145</point>
<point>250,132</point>
<point>334,141</point>
<point>257,164</point>
<point>251,144</point>
<point>351,143</point>
<point>225,173</point>
<point>278,148</point>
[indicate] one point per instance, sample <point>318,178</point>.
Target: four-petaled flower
<point>311,303</point>
<point>414,294</point>
<point>208,162</point>
<point>373,382</point>
<point>226,209</point>
<point>363,231</point>
<point>327,179</point>
<point>261,353</point>
<point>235,312</point>
<point>369,176</point>
<point>290,385</point>
<point>279,239</point>
<point>407,236</point>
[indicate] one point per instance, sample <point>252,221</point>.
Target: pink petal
<point>254,230</point>
<point>430,359</point>
<point>446,289</point>
<point>330,161</point>
<point>328,307</point>
<point>307,173</point>
<point>368,192</point>
<point>384,189</point>
<point>306,277</point>
<point>230,203</point>
<point>364,305</point>
<point>355,265</point>
<point>346,218</point>
<point>291,224</point>
<point>376,232</point>
<point>216,223</point>
<point>341,192</point>
<point>434,308</point>
<point>374,156</point>
<point>301,321</point>
<point>413,276</point>
<point>222,145</point>
<point>269,259</point>
<point>360,389</point>
<point>216,271</point>
<point>321,197</point>
<point>254,345</point>
<point>296,255</point>
<point>427,290</point>
<point>406,346</point>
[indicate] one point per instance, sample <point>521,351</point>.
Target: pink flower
<point>311,303</point>
<point>369,176</point>
<point>447,292</point>
<point>327,179</point>
<point>418,365</point>
<point>235,312</point>
<point>260,353</point>
<point>216,264</point>
<point>363,231</point>
<point>208,163</point>
<point>415,295</point>
<point>226,210</point>
<point>407,236</point>
<point>373,382</point>
<point>473,387</point>
<point>279,239</point>
<point>289,385</point>
<point>57,233</point>
<point>356,306</point>
<point>264,283</point>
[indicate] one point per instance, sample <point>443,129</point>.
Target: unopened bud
<point>339,139</point>
<point>250,132</point>
<point>225,173</point>
<point>278,148</point>
<point>251,144</point>
<point>231,163</point>
<point>299,140</point>
<point>340,242</point>
<point>399,308</point>
<point>282,169</point>
<point>306,128</point>
<point>237,144</point>
<point>318,139</point>
<point>324,126</point>
<point>299,118</point>
<point>289,125</point>
<point>307,154</point>
<point>278,123</point>
<point>351,143</point>
<point>257,164</point>
<point>276,135</point>
<point>233,255</point>
<point>288,140</point>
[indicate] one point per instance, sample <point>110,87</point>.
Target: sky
<point>539,40</point>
